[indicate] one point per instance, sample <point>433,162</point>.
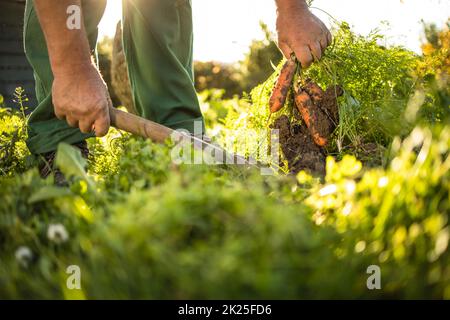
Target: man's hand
<point>80,95</point>
<point>300,32</point>
<point>82,99</point>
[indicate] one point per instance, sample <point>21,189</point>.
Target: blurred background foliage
<point>435,70</point>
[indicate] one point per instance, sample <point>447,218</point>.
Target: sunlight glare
<point>224,29</point>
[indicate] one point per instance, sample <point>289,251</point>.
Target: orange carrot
<point>316,121</point>
<point>284,82</point>
<point>315,92</point>
<point>304,105</point>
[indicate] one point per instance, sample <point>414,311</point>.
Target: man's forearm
<point>68,49</point>
<point>290,4</point>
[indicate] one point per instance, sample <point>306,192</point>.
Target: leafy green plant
<point>384,95</point>
<point>13,132</point>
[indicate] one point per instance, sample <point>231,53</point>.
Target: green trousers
<point>158,45</point>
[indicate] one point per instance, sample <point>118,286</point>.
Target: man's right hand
<point>80,95</point>
<point>81,98</point>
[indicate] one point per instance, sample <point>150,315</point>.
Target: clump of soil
<point>329,104</point>
<point>298,147</point>
<point>303,143</point>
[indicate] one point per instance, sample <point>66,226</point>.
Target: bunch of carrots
<point>318,108</point>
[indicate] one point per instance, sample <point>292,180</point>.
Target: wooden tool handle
<point>139,126</point>
<point>158,133</point>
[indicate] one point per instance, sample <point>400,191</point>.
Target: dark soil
<point>296,139</point>
<point>329,104</point>
<point>298,147</point>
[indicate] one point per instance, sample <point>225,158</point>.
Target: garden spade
<point>160,134</point>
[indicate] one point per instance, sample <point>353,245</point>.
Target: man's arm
<point>80,95</point>
<point>300,32</point>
